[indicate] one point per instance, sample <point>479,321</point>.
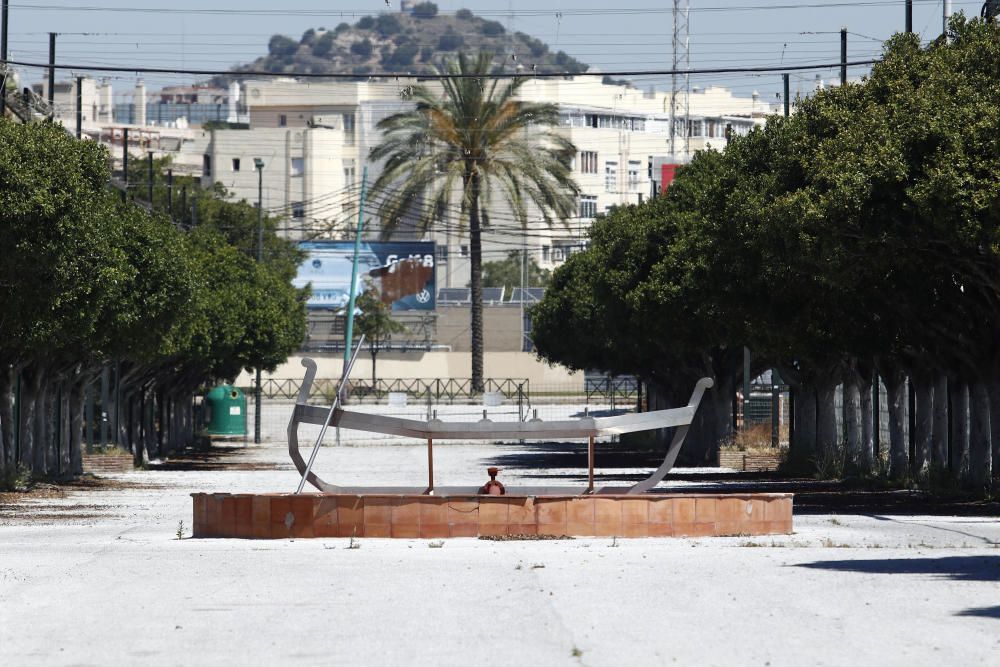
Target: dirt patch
<point>523,537</point>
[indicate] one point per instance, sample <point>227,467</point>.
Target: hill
<point>413,41</point>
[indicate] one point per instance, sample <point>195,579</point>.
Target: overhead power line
<point>398,75</point>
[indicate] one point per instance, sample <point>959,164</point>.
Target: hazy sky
<point>633,34</point>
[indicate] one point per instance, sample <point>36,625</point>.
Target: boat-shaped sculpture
<point>485,429</point>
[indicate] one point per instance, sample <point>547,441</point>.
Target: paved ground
<point>99,577</point>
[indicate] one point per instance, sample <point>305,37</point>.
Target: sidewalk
<point>99,577</point>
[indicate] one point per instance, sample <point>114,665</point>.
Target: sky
<point>216,34</point>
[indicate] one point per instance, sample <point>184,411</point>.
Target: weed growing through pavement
<point>614,541</point>
<point>576,653</point>
<point>436,544</point>
<point>180,529</point>
<point>353,544</point>
<point>835,521</point>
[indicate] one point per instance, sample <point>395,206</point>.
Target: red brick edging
<point>278,516</point>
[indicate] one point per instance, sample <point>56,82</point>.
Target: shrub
<point>362,48</point>
<point>387,24</point>
<point>492,28</point>
<point>366,23</point>
<point>464,15</point>
<point>323,45</point>
<point>401,57</point>
<point>281,45</point>
<point>450,41</point>
<point>425,10</point>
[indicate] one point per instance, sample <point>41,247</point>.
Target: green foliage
<point>341,27</point>
<point>366,23</point>
<point>362,48</point>
<point>507,272</point>
<point>464,15</point>
<point>387,25</point>
<point>425,10</point>
<point>467,140</point>
<point>324,45</point>
<point>492,28</point>
<point>282,45</point>
<point>536,46</point>
<point>402,56</point>
<point>450,41</point>
<point>308,37</point>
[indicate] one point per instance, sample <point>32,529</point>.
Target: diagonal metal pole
<point>329,416</point>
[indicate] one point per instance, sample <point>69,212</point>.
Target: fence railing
<point>438,389</point>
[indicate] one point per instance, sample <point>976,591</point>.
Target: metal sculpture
<point>486,429</point>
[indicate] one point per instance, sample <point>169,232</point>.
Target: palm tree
<point>474,140</point>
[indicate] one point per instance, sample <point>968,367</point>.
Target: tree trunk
<point>31,381</point>
<point>923,391</point>
<point>895,382</point>
<point>995,428</point>
<point>6,416</point>
<point>853,418</point>
<point>827,438</point>
<point>43,429</point>
<point>939,453</point>
<point>868,424</point>
<point>65,431</point>
<point>803,450</point>
<point>476,279</point>
<point>959,454</point>
<point>79,405</point>
<point>713,425</point>
<point>979,435</point>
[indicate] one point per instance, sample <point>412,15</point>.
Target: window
<point>633,174</point>
<point>464,251</point>
<point>545,253</point>
<point>442,254</point>
<point>588,162</point>
<point>206,165</point>
<point>298,209</point>
<point>298,166</point>
<point>588,206</point>
<point>611,176</point>
<point>349,173</point>
<point>349,129</point>
<point>236,164</point>
<point>282,120</point>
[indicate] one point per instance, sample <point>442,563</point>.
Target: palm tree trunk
<point>476,279</point>
<point>995,428</point>
<point>866,460</point>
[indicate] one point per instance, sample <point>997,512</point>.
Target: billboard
<point>402,272</point>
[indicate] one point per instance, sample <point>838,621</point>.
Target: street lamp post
<point>259,166</point>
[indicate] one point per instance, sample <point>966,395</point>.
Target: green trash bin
<point>226,411</point>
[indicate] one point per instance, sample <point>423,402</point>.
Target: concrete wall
<point>501,328</point>
<point>418,364</point>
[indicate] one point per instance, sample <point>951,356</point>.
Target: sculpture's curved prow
<point>485,429</point>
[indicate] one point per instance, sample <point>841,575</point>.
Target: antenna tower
<point>681,61</point>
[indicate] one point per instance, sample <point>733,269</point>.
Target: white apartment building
<point>314,138</point>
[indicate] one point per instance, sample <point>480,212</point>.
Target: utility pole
<point>149,178</point>
<point>680,43</point>
<point>843,56</point>
<point>259,166</point>
<point>170,199</point>
<point>52,75</point>
<point>909,16</point>
<point>79,107</point>
<point>125,163</point>
<point>945,15</point>
<point>784,80</point>
<point>4,13</point>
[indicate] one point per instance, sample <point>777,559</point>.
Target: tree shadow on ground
<point>955,568</point>
<point>217,457</point>
<point>567,461</point>
<point>985,612</point>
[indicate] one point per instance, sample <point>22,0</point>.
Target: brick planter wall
<point>750,462</point>
<point>108,463</point>
<point>272,516</point>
